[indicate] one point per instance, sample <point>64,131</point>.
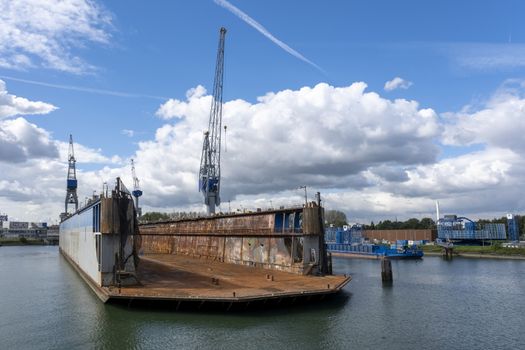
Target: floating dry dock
<point>263,257</point>
<point>184,279</point>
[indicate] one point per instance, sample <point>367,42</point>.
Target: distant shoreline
<point>479,255</point>
<point>17,242</point>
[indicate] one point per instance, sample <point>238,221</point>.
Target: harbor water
<point>432,304</point>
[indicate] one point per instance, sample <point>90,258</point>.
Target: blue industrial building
<point>454,228</point>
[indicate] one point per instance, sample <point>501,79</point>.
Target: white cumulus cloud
<point>397,83</point>
<point>45,33</point>
<point>324,136</point>
<point>11,105</point>
<point>21,140</point>
<point>499,123</point>
<point>372,157</point>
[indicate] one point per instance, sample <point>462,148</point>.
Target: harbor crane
<point>210,168</point>
<point>137,192</point>
<point>71,187</point>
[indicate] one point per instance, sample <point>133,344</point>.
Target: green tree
<point>427,223</point>
<point>412,223</point>
<point>385,225</point>
<point>335,217</point>
<point>154,216</point>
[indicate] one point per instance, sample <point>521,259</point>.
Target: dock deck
<point>182,278</point>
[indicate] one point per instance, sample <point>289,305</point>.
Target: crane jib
<point>210,167</point>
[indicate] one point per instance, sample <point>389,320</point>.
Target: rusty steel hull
<point>286,240</point>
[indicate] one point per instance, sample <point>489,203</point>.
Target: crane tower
<point>210,168</point>
<point>71,188</point>
<point>137,192</point>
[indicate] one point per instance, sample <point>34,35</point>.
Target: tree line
<point>338,218</point>
<point>155,216</point>
<point>410,224</point>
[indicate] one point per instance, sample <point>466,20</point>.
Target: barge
<point>226,259</point>
<point>348,241</point>
<point>375,251</point>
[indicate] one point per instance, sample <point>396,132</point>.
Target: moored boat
<point>349,241</point>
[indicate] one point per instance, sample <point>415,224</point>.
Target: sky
<point>384,107</point>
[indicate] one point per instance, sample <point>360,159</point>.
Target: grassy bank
<point>495,249</point>
<point>21,241</point>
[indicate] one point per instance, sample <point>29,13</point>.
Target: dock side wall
<point>91,238</point>
<point>117,227</point>
<point>269,240</point>
<point>266,252</point>
<point>77,240</point>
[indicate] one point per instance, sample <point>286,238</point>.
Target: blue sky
<point>457,59</point>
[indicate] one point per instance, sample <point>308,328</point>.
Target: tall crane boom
<point>210,169</point>
<point>137,192</point>
<point>71,186</point>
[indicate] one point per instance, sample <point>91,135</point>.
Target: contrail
<point>84,89</point>
<point>225,4</point>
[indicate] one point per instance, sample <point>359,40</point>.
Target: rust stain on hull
<point>286,240</point>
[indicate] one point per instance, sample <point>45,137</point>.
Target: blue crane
<point>210,168</point>
<point>137,192</point>
<point>71,187</point>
